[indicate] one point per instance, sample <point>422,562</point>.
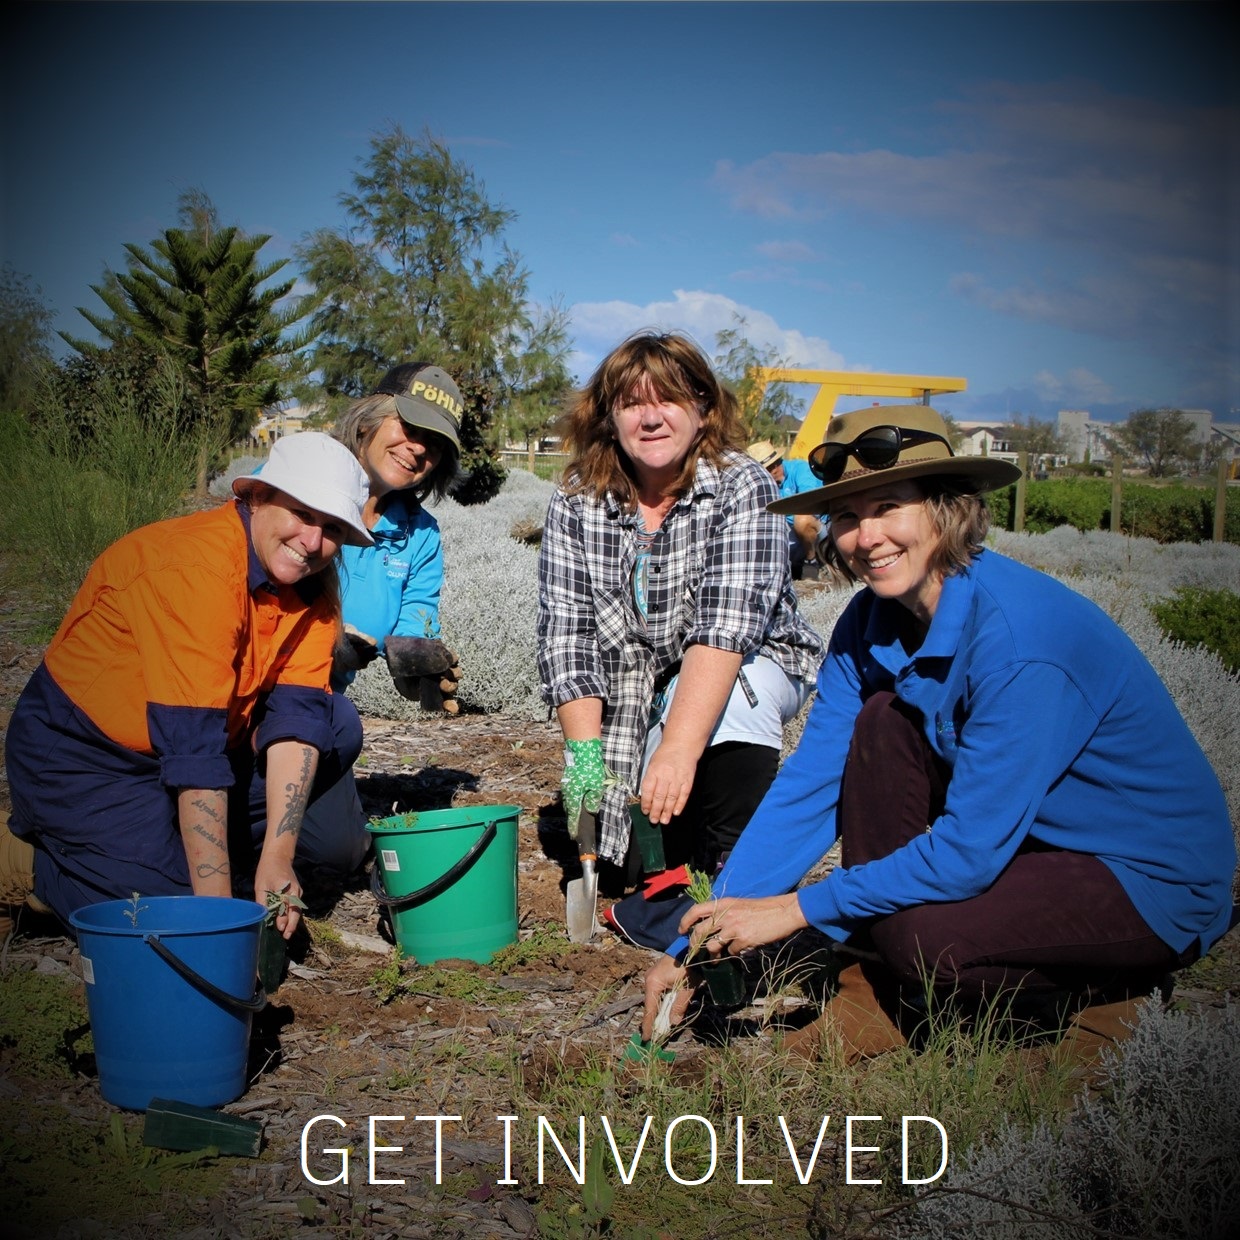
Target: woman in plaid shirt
<point>669,639</point>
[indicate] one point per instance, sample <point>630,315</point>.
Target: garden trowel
<point>583,891</point>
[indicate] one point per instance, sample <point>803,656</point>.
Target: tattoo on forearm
<point>199,828</point>
<point>205,870</point>
<point>297,793</point>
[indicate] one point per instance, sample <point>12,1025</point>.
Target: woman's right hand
<point>584,780</point>
<point>665,975</point>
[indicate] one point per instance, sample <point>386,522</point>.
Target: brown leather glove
<point>356,651</point>
<point>425,671</point>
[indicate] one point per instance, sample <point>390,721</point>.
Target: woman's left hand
<point>733,925</point>
<point>667,782</point>
<point>707,675</point>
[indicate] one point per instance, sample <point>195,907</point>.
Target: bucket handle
<point>438,885</point>
<point>210,989</point>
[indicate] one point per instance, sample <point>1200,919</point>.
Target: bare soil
<point>352,1035</point>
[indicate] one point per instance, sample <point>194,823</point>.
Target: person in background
<point>406,437</point>
<point>1022,810</point>
<point>181,719</point>
<point>792,477</point>
<point>669,641</point>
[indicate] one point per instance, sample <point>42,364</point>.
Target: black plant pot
<point>724,980</point>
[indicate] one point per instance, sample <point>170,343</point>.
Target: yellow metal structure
<point>834,383</point>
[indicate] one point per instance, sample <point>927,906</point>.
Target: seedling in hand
<point>281,901</point>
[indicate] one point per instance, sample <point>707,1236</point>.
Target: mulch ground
<point>328,1043</point>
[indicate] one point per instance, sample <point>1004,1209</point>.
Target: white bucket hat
<point>321,473</point>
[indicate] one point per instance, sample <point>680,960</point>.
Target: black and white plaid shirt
<point>718,576</point>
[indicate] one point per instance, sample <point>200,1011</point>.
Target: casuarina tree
<point>768,411</point>
<point>1162,438</point>
<point>25,326</point>
<point>422,273</point>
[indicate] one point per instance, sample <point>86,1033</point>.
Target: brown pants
<point>1052,921</point>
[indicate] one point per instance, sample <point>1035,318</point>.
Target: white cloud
<point>1119,206</point>
<point>1078,389</point>
<point>625,241</point>
<point>599,326</point>
<point>1055,161</point>
<point>787,251</point>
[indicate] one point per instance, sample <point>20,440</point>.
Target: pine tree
<point>197,295</point>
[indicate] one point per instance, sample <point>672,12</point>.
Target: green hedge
<point>1201,617</point>
<point>1175,513</point>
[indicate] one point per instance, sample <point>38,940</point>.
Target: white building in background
<point>1084,438</point>
<point>276,423</point>
<point>985,439</point>
<point>993,439</point>
<point>1081,434</point>
<point>1228,434</point>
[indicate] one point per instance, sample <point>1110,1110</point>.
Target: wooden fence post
<point>1117,486</point>
<point>1220,499</point>
<point>1018,516</point>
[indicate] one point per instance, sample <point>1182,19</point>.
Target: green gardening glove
<point>584,780</point>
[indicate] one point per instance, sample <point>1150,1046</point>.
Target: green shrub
<point>1000,505</point>
<point>1165,514</point>
<point>1200,617</point>
<point>1176,513</point>
<point>1079,502</point>
<point>74,480</point>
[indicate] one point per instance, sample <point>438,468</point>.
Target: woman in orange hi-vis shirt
<point>182,711</point>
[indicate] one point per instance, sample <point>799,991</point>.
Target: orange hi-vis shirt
<point>176,636</point>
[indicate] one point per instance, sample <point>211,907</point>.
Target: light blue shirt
<point>798,477</point>
<point>394,586</point>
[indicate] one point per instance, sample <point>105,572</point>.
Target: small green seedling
<point>281,901</point>
<point>699,886</point>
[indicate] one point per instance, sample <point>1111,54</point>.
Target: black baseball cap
<point>426,396</point>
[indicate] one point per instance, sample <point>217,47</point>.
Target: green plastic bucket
<point>449,879</point>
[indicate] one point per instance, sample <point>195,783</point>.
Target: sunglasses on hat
<point>877,448</point>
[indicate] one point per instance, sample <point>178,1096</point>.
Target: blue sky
<point>1039,198</point>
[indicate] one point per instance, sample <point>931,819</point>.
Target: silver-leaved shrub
<point>1153,1151</point>
<point>487,609</point>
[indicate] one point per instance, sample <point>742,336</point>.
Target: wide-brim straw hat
<point>920,458</point>
<point>765,453</point>
<point>320,472</point>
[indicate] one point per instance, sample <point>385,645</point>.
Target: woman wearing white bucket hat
<point>1023,813</point>
<point>193,662</point>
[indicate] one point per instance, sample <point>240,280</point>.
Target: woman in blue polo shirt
<point>1020,805</point>
<point>406,437</point>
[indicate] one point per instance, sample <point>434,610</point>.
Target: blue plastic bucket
<point>171,992</point>
<point>449,879</point>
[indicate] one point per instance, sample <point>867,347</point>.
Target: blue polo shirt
<point>394,585</point>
